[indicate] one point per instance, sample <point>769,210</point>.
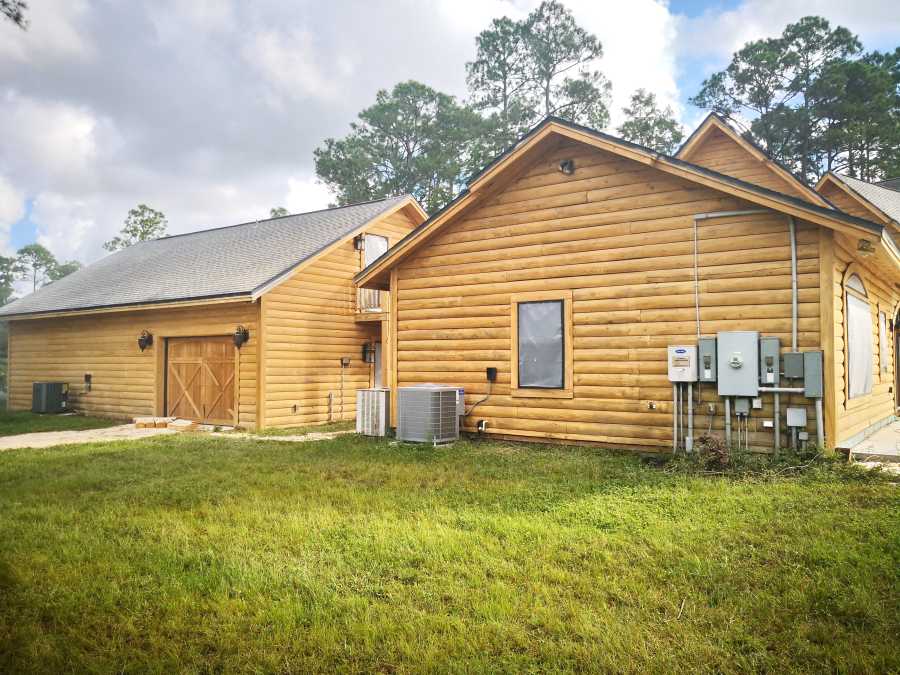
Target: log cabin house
<point>571,263</point>
<point>257,325</point>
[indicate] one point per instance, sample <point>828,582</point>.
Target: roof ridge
<point>266,220</point>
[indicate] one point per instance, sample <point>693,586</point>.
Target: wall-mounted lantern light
<point>368,353</point>
<point>359,242</point>
<point>865,248</point>
<point>145,339</point>
<point>567,166</point>
<point>241,336</point>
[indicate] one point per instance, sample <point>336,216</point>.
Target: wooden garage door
<point>200,379</point>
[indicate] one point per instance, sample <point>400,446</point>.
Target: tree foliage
<point>35,263</point>
<point>61,270</point>
<point>813,100</point>
<point>14,10</point>
<point>278,212</point>
<point>8,276</point>
<point>542,65</point>
<point>412,140</point>
<point>141,224</point>
<point>649,125</point>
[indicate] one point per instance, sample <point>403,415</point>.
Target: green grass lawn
<point>14,423</point>
<point>188,553</point>
<point>329,427</point>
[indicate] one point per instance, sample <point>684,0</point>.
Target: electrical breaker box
<point>796,417</point>
<point>793,365</point>
<point>738,363</point>
<point>769,361</point>
<point>682,363</point>
<point>812,375</point>
<point>706,359</point>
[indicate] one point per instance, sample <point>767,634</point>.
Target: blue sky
<point>210,110</point>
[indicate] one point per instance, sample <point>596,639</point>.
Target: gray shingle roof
<point>883,198</point>
<point>228,261</point>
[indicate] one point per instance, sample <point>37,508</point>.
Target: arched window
<point>858,319</point>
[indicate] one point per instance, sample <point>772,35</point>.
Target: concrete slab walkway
<point>46,439</point>
<point>883,445</point>
<point>881,449</point>
<point>128,432</point>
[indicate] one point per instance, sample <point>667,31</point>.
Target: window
<point>375,247</point>
<point>859,338</point>
<point>884,359</point>
<point>541,345</point>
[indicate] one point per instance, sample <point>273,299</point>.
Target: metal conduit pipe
<point>728,420</point>
<point>777,419</point>
<point>689,440</point>
<point>820,430</point>
<point>706,216</point>
<point>792,228</point>
<point>674,418</point>
<point>697,218</point>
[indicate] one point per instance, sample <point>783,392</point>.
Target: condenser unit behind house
<point>372,411</point>
<point>49,397</point>
<point>428,414</point>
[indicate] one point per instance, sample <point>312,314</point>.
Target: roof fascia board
<point>646,157</point>
<point>167,304</point>
<point>295,269</point>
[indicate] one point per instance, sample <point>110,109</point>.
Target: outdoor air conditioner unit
<point>49,397</point>
<point>428,413</point>
<point>372,411</point>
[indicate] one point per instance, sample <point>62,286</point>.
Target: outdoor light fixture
<point>567,166</point>
<point>241,336</point>
<point>368,353</point>
<point>865,247</point>
<point>145,339</point>
<point>359,242</point>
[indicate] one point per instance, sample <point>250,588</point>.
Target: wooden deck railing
<point>370,300</point>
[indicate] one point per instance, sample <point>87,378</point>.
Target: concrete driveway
<point>48,439</point>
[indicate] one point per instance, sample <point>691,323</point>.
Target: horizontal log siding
<point>620,237</point>
<point>309,325</point>
<point>856,415</point>
<point>848,204</point>
<point>722,154</point>
<point>125,380</point>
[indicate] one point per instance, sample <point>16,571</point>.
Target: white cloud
<point>210,110</point>
<point>638,40</point>
<point>306,194</point>
<point>875,21</point>
<point>12,208</point>
<point>54,33</point>
<point>288,62</point>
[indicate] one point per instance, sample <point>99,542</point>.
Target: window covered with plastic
<point>859,339</point>
<point>540,346</point>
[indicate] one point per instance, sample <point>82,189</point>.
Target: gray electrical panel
<point>738,363</point>
<point>706,359</point>
<point>769,362</point>
<point>793,365</point>
<point>812,375</point>
<point>742,406</point>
